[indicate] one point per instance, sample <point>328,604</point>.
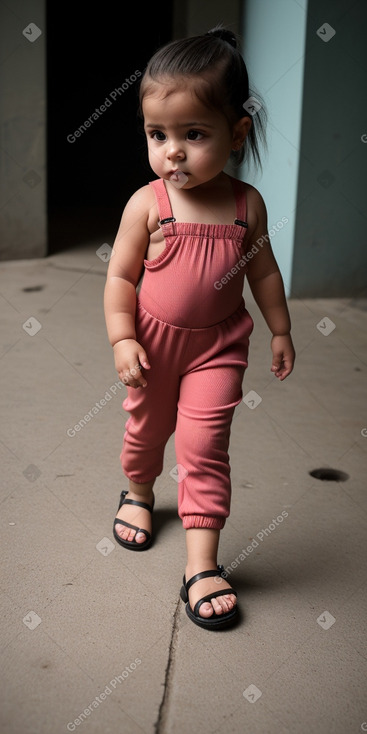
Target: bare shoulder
<point>142,204</point>
<point>253,195</point>
<point>256,209</point>
<point>140,200</point>
<point>255,201</point>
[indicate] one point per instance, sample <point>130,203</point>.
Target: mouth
<point>178,177</point>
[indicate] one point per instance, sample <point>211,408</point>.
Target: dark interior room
<point>92,57</point>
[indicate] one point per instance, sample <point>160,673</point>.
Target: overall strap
<point>163,202</point>
<point>241,202</point>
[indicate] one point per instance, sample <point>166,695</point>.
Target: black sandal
<point>216,621</point>
<point>132,544</point>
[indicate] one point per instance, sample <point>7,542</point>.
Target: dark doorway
<point>93,56</point>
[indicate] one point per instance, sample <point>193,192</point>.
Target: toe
<point>124,532</point>
<point>140,537</point>
<point>223,604</point>
<point>229,600</point>
<point>129,534</point>
<point>219,607</point>
<point>121,530</point>
<point>206,609</point>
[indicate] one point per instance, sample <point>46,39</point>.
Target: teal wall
<point>273,36</point>
<point>312,78</point>
<point>330,252</point>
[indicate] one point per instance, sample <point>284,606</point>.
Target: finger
<point>284,370</point>
<point>276,365</point>
<point>134,384</point>
<point>138,378</point>
<point>123,378</point>
<point>132,378</point>
<point>143,359</point>
<point>287,370</point>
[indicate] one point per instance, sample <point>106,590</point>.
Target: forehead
<point>163,90</point>
<point>183,98</point>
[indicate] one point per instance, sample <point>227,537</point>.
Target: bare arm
<point>267,287</point>
<point>120,290</point>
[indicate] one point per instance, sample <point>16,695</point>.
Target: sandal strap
<point>208,598</point>
<point>134,527</point>
<point>140,504</point>
<point>124,501</point>
<point>204,575</point>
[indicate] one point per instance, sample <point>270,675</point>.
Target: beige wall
<point>23,220</point>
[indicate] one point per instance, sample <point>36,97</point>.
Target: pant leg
<point>153,409</point>
<point>210,390</point>
<point>145,438</point>
<point>207,401</point>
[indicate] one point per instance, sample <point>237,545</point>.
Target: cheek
<point>215,148</point>
<point>205,153</point>
<point>154,154</point>
<point>208,158</point>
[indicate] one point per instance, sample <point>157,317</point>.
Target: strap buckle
<point>241,222</point>
<point>167,220</point>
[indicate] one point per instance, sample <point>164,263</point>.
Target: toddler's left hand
<point>283,356</point>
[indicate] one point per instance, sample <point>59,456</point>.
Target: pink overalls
<point>196,335</point>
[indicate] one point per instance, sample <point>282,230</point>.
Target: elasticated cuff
<point>139,480</point>
<point>200,521</point>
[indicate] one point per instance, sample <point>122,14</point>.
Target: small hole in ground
<point>329,475</point>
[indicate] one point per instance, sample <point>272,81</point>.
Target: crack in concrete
<point>160,724</point>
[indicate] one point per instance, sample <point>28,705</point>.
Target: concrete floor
<point>95,638</point>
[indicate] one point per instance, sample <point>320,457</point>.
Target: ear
<point>240,132</point>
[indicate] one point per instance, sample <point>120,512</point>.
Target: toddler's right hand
<point>130,357</point>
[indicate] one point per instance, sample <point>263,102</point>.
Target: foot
<point>135,515</point>
<point>203,587</point>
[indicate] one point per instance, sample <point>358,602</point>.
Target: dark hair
<point>223,81</point>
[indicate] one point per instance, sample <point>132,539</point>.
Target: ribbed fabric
<point>196,338</point>
<point>180,286</point>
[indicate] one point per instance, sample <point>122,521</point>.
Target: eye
<point>158,135</point>
<point>194,135</point>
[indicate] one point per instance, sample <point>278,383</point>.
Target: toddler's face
<point>184,135</point>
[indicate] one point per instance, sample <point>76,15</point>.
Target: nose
<point>175,151</point>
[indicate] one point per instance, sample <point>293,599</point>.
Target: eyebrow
<point>159,125</point>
